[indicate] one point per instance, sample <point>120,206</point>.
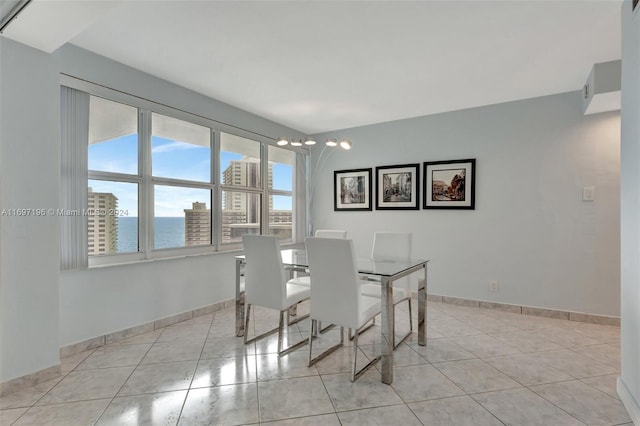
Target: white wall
<point>29,178</point>
<point>630,211</point>
<point>530,229</point>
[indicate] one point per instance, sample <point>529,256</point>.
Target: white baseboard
<point>630,403</point>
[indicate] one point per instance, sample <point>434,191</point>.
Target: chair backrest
<point>392,246</point>
<point>331,233</point>
<point>264,275</point>
<point>335,292</point>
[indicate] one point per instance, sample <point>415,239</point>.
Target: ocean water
<point>168,233</point>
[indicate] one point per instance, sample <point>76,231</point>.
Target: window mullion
<point>146,188</point>
<point>264,182</point>
<point>216,193</point>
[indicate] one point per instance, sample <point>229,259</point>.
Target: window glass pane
<point>281,168</point>
<point>113,137</point>
<point>240,215</point>
<point>182,217</point>
<point>239,161</point>
<point>180,150</point>
<point>280,216</point>
<point>112,217</point>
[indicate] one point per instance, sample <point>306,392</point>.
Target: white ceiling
<point>324,65</point>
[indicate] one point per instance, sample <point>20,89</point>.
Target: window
<point>162,180</point>
<point>112,199</point>
<point>181,172</point>
<point>281,163</point>
<point>240,177</point>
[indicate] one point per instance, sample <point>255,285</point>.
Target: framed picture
<point>352,190</point>
<point>449,184</point>
<point>397,187</point>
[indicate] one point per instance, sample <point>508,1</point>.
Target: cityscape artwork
<point>449,184</point>
<point>397,187</point>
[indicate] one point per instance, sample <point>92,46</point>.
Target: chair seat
<point>373,290</point>
<point>303,281</point>
<point>369,308</point>
<point>296,293</point>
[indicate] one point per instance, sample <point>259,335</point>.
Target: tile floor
<point>480,367</point>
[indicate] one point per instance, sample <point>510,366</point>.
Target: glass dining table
<point>386,271</point>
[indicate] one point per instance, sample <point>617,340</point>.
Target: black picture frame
<point>398,187</point>
<point>449,184</point>
<point>352,190</point>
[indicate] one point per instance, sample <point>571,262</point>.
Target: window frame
<point>146,182</point>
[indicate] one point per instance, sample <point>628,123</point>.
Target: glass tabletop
<point>297,258</point>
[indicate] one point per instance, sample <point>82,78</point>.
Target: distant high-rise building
<point>102,223</point>
<point>197,225</point>
<point>241,210</point>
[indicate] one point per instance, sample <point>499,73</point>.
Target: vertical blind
<point>74,110</point>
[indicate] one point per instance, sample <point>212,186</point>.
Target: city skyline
<point>170,158</point>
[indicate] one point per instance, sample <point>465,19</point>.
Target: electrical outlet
<point>493,286</point>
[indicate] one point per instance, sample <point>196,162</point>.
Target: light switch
<point>588,193</point>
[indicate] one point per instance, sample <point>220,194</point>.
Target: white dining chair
<point>336,295</point>
<point>392,246</point>
<point>320,233</point>
<point>266,285</point>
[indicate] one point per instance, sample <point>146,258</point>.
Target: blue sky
<point>170,159</point>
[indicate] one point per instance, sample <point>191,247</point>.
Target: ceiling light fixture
<point>345,144</point>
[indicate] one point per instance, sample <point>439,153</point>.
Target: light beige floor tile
<point>440,350</point>
<point>154,378</point>
<point>10,415</point>
<point>403,355</point>
<point>422,382</point>
<point>222,347</point>
<point>340,361</point>
<point>298,397</point>
<point>158,409</point>
<point>569,338</point>
<point>602,333</point>
<point>88,384</point>
<point>68,414</point>
<point>228,405</point>
<point>115,356</point>
<point>527,341</point>
<point>475,375</point>
<point>524,407</point>
<point>603,354</point>
<point>484,346</point>
<point>607,384</point>
<point>149,337</point>
<point>274,367</point>
<point>70,362</point>
<point>383,416</point>
<point>200,319</point>
<point>321,420</point>
<point>527,369</point>
<point>574,364</point>
<point>173,352</point>
<point>459,411</point>
<point>28,396</point>
<point>454,328</point>
<point>269,345</point>
<point>181,333</point>
<point>366,392</point>
<point>584,402</point>
<point>225,371</point>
